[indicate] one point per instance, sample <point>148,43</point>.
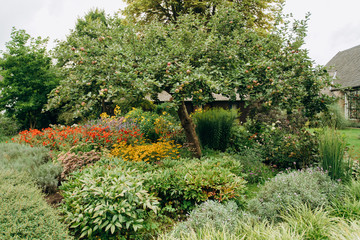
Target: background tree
<point>28,77</point>
<point>256,13</point>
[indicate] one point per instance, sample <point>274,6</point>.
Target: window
<point>354,104</point>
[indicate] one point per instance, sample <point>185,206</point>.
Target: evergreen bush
<point>214,127</point>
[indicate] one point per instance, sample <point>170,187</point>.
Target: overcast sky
<point>334,25</point>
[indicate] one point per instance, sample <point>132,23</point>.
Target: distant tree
<point>256,13</point>
<point>28,76</point>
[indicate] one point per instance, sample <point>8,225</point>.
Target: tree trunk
<point>190,132</point>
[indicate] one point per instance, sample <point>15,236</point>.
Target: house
<point>344,67</point>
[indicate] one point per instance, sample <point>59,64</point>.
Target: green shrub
<point>24,214</point>
<point>255,171</point>
<point>214,127</point>
<point>332,147</point>
<point>310,186</point>
<point>241,139</point>
<point>155,126</point>
<point>209,213</point>
<point>182,184</point>
<point>34,160</point>
<point>107,202</point>
<point>8,126</point>
<point>288,150</point>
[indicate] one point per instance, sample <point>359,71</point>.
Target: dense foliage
<point>28,77</point>
<point>24,214</point>
<point>106,202</point>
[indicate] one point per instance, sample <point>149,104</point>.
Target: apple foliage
<point>96,64</point>
<point>28,76</point>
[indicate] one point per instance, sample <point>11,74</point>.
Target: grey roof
<point>346,65</point>
<point>165,97</point>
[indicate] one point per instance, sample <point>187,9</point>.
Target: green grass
<point>353,139</point>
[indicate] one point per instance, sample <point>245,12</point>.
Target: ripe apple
<point>188,71</point>
<point>73,49</point>
<point>82,49</point>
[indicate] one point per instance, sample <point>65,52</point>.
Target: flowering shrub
<point>146,153</point>
<point>285,150</point>
<point>63,138</point>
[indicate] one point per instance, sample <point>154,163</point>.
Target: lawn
<point>353,139</point>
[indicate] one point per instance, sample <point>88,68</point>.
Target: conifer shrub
<point>214,127</point>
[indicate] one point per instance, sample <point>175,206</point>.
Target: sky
<point>334,25</point>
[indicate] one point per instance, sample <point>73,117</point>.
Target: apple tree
<point>196,57</point>
<point>28,76</point>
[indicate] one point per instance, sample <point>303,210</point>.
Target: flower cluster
<point>63,138</point>
<point>146,152</point>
